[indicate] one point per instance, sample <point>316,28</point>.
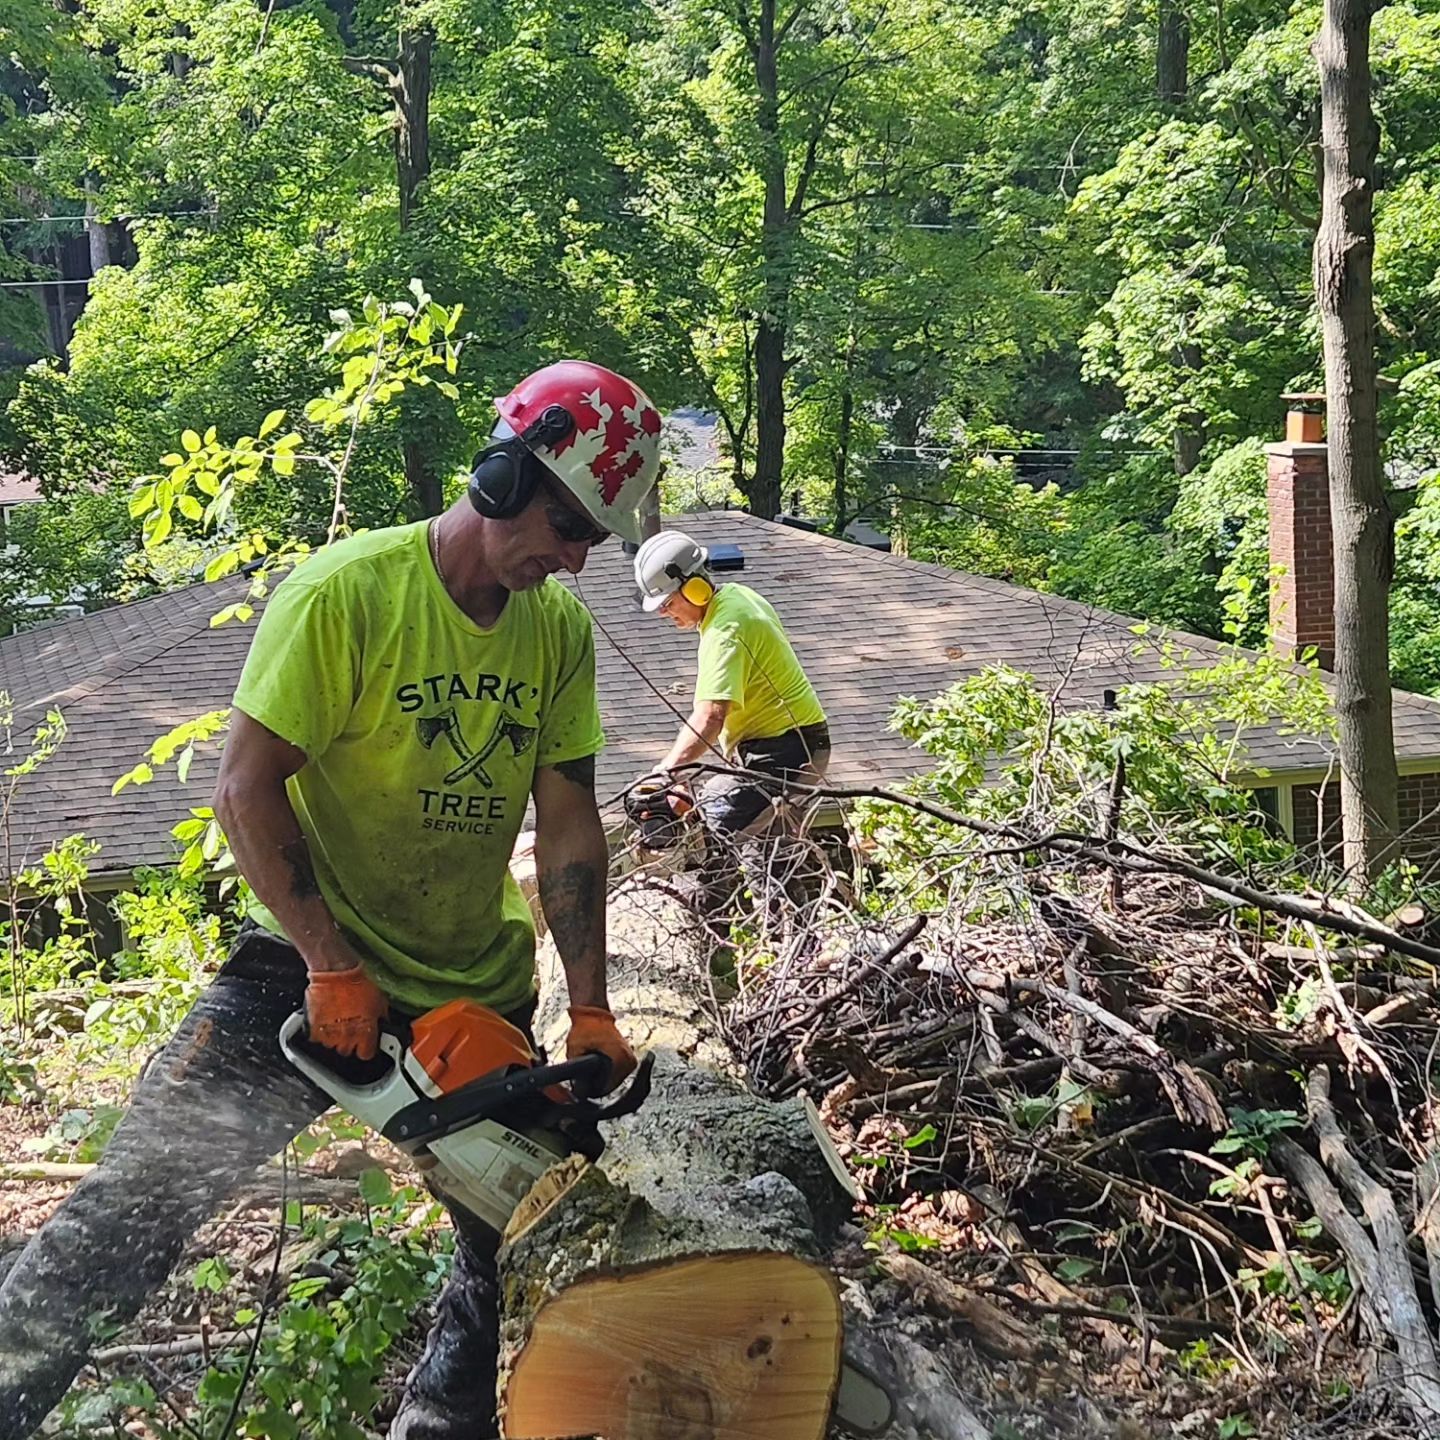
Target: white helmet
<point>607,453</point>
<point>664,563</point>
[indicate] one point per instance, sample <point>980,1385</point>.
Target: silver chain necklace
<point>435,551</point>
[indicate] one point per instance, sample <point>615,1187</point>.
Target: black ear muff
<point>502,481</point>
<point>503,477</point>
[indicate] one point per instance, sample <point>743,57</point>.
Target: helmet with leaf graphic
<point>596,432</point>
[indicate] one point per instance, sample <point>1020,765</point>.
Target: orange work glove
<point>593,1031</point>
<point>343,1010</point>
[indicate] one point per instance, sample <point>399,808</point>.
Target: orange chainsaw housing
<point>463,1040</point>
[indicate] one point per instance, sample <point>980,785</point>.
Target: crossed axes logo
<point>472,762</point>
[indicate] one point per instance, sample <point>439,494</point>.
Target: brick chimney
<point>1302,596</point>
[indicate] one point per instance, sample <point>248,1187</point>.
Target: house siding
<point>1316,811</point>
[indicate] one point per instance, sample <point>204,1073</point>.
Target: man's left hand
<point>593,1032</point>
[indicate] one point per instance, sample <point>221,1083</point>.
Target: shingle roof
<point>17,489</point>
<point>868,628</point>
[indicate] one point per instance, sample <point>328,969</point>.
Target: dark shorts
<point>729,803</point>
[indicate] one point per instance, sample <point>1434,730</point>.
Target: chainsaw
<point>465,1094</point>
<point>657,807</point>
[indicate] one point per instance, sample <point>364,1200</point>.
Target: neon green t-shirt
<point>747,659</point>
<point>423,732</point>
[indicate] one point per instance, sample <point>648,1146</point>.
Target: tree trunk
<point>1360,516</point>
<point>411,91</point>
<point>678,1289</point>
<point>1172,57</point>
<point>95,232</point>
<point>843,437</point>
<point>842,459</point>
<point>772,327</point>
<point>1189,438</point>
<point>407,81</point>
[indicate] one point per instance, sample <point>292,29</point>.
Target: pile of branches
<point>1136,1116</point>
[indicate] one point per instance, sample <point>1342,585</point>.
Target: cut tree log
<point>679,1288</point>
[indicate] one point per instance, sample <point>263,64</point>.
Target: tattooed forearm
<point>572,896</point>
<point>572,859</point>
<point>303,884</point>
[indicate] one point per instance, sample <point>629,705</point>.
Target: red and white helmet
<point>609,461</point>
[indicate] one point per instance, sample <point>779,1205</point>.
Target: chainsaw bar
<point>505,1098</point>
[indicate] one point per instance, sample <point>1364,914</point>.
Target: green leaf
<point>923,1136</point>
<point>190,507</point>
<point>182,765</point>
<point>191,441</point>
<point>222,565</point>
<point>172,460</point>
<point>283,463</point>
<point>157,528</point>
<point>375,1187</point>
<point>142,774</point>
<point>307,1288</point>
<point>270,423</point>
<point>142,500</point>
<point>1074,1269</point>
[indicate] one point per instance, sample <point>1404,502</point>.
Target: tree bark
<point>677,1289</point>
<point>1189,437</point>
<point>1360,517</point>
<point>411,92</point>
<point>95,232</point>
<point>410,89</point>
<point>1172,57</point>
<point>772,327</point>
<point>844,436</point>
<point>407,81</point>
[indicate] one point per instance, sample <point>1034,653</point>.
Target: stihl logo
<point>526,1147</point>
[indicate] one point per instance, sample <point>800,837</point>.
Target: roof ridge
<point>130,658</point>
<point>124,607</point>
<point>953,575</point>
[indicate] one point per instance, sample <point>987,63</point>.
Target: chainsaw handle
<point>590,1074</point>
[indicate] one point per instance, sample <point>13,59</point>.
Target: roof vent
<point>726,557</point>
<point>798,522</point>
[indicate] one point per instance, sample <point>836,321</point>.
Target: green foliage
<point>323,1347</point>
<point>1251,1131</point>
<point>390,349</point>
<point>79,1135</point>
<point>1003,751</point>
<point>987,524</point>
<point>320,1358</point>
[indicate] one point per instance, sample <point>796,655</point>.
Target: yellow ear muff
<point>698,590</point>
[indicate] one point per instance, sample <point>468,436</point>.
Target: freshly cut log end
<point>739,1346</point>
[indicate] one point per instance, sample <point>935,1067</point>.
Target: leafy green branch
<point>390,347</point>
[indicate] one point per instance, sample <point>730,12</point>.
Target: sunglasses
<point>570,526</point>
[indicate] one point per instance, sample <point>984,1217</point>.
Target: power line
<point>36,284</point>
<point>118,219</point>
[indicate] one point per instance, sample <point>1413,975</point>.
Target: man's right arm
<point>254,808</point>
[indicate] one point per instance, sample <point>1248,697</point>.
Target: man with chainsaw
<point>407,693</point>
<point>754,706</point>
